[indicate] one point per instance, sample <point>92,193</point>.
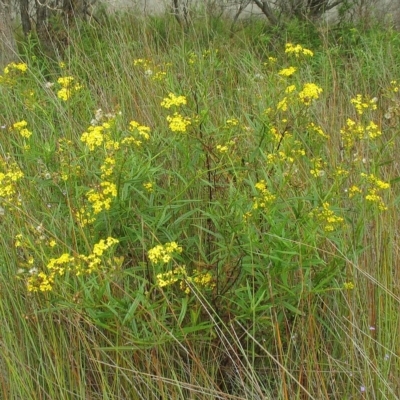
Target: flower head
<point>173,100</point>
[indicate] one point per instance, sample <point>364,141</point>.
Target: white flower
<point>98,114</point>
<point>33,271</point>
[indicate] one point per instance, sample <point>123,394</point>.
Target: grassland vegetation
<point>199,215</point>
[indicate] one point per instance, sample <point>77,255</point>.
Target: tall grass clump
<point>193,216</point>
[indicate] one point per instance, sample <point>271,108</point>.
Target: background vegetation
<point>200,215</point>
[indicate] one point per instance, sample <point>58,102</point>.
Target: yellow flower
<point>22,67</point>
<point>287,71</point>
<point>232,122</point>
<point>40,282</point>
<point>64,94</point>
<point>65,81</point>
<point>95,136</point>
<point>353,191</point>
<point>373,130</point>
<point>327,217</point>
<point>141,62</point>
<point>67,87</point>
<point>222,149</point>
<point>363,104</point>
<point>264,198</point>
<point>20,125</point>
<point>25,133</point>
<point>178,123</point>
<point>310,92</point>
<point>317,129</point>
<point>163,253</point>
<point>148,186</point>
<point>290,89</point>
<point>144,130</point>
<point>173,100</point>
<point>282,105</point>
<point>297,50</point>
<point>348,285</point>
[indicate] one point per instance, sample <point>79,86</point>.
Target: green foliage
<point>201,214</point>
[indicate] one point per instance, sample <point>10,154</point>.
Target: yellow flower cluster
<point>265,196</point>
<point>100,136</point>
<point>163,253</point>
<point>318,169</point>
<point>11,72</point>
<point>231,122</point>
<point>93,261</point>
<point>222,148</point>
<point>144,131</point>
<point>204,279</point>
<point>107,168</point>
<point>21,128</point>
<point>341,172</point>
<point>173,100</point>
<point>140,132</point>
<point>372,130</point>
<point>354,131</point>
<point>394,86</point>
<point>10,174</point>
<point>57,267</point>
<point>18,240</point>
<point>171,277</point>
<point>101,199</point>
<point>297,50</point>
<point>275,135</point>
<point>40,282</point>
<point>68,87</point>
<point>287,71</point>
<point>290,89</point>
<point>225,147</point>
<point>149,186</point>
<point>283,104</point>
<point>317,129</point>
<point>375,186</point>
<point>178,123</point>
<point>96,136</point>
<point>353,190</point>
<point>362,105</point>
<point>348,285</point>
<point>327,217</point>
<point>201,279</point>
<point>22,67</point>
<point>309,93</point>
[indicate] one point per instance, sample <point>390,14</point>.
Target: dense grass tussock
<point>198,216</point>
